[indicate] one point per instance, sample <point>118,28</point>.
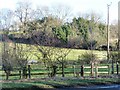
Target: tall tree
<point>81,28</point>
<point>62,33</point>
<point>6,22</point>
<point>24,14</point>
<point>61,12</point>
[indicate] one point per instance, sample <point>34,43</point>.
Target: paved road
<point>111,87</point>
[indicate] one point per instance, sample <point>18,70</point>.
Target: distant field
<point>73,55</point>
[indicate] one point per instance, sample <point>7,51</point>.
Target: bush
<point>87,58</point>
<point>114,56</point>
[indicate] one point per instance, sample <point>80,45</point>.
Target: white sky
<point>78,6</point>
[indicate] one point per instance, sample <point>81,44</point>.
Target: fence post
<point>92,69</point>
<point>74,70</point>
<point>108,69</point>
<point>96,70</point>
<point>63,73</point>
<point>112,66</point>
<point>82,70</point>
<point>29,71</point>
<point>20,73</point>
<point>117,68</point>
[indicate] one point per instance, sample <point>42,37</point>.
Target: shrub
<point>87,58</point>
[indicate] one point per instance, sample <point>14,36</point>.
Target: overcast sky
<point>77,6</point>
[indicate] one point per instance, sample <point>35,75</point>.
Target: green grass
<point>73,55</point>
<point>59,82</point>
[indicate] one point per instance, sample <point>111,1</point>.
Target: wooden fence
<point>97,70</point>
<point>74,70</point>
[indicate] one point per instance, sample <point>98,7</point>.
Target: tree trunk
<point>24,72</point>
<point>7,74</point>
<point>54,71</point>
<point>49,72</point>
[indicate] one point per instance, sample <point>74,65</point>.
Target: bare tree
<point>23,54</point>
<point>23,11</point>
<point>60,56</point>
<point>24,14</point>
<point>62,12</point>
<point>6,22</point>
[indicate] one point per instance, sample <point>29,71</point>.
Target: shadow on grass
<point>28,88</point>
